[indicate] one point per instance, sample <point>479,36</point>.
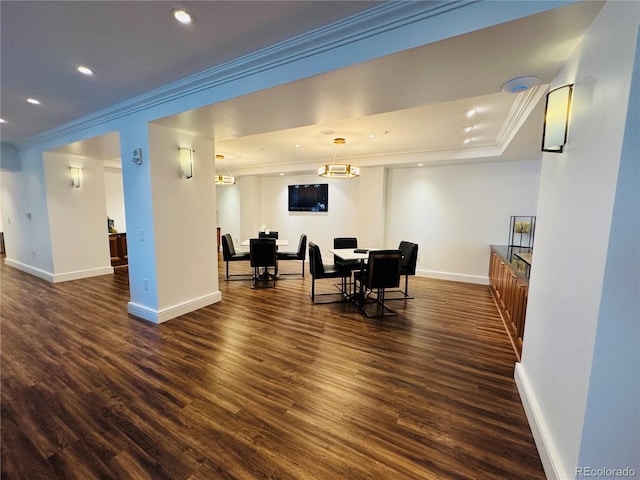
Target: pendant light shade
<point>224,179</point>
<point>339,170</point>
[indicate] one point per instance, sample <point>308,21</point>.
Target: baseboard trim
<point>546,450</point>
<point>58,277</point>
<point>80,274</point>
<point>165,314</point>
<point>453,277</point>
<point>36,272</point>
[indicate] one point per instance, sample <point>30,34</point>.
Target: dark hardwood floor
<point>261,385</point>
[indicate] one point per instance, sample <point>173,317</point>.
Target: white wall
<point>577,191</point>
<point>261,70</point>
<point>228,210</point>
<point>1,201</point>
<point>264,200</point>
<point>455,212</point>
<point>114,194</point>
<point>371,207</point>
<point>26,220</point>
<point>77,217</point>
<point>613,405</point>
<point>185,219</point>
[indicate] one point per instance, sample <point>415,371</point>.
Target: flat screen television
<point>313,197</point>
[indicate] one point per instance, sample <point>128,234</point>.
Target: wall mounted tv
<point>313,197</point>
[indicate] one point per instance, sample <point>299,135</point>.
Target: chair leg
<point>235,276</point>
<point>264,277</point>
<point>404,294</point>
<point>381,308</point>
<point>406,287</point>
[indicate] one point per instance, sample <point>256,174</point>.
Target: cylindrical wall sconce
<point>76,176</point>
<point>186,161</point>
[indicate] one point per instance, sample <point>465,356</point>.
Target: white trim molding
<point>80,274</point>
<point>548,453</point>
<point>23,267</point>
<point>453,277</point>
<point>165,314</point>
<point>58,277</point>
<point>385,24</point>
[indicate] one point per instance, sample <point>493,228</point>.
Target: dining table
<point>280,242</point>
<point>347,254</point>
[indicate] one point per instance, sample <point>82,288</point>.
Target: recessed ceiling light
<point>421,164</point>
<point>85,70</point>
<point>467,140</point>
<point>33,101</point>
<point>468,128</point>
<point>371,135</point>
<point>298,145</point>
<point>281,174</point>
<point>470,113</point>
<point>182,16</point>
<point>2,120</point>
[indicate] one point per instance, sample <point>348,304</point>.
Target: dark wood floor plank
<point>264,384</point>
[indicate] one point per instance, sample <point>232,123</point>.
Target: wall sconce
<point>76,176</point>
<point>186,162</point>
<point>556,119</point>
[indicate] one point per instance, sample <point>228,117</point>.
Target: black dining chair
<point>270,234</point>
<point>407,267</point>
<point>300,254</point>
<point>346,242</point>
<point>262,253</point>
<point>349,265</point>
<point>229,254</point>
<point>320,271</point>
<point>381,273</point>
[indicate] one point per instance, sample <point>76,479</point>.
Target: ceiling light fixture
<point>468,128</point>
<point>224,179</point>
<point>85,70</point>
<point>520,84</point>
<point>34,101</point>
<point>470,113</point>
<point>182,16</point>
<point>338,170</point>
<point>2,120</point>
<point>467,140</point>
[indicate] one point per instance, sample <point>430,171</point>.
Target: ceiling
<point>412,101</point>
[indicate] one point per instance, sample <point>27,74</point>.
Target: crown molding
<point>370,23</point>
<point>521,108</point>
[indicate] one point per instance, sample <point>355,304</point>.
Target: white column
<point>171,223</point>
<point>372,201</point>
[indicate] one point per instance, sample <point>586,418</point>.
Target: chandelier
<point>338,170</point>
<point>224,179</point>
